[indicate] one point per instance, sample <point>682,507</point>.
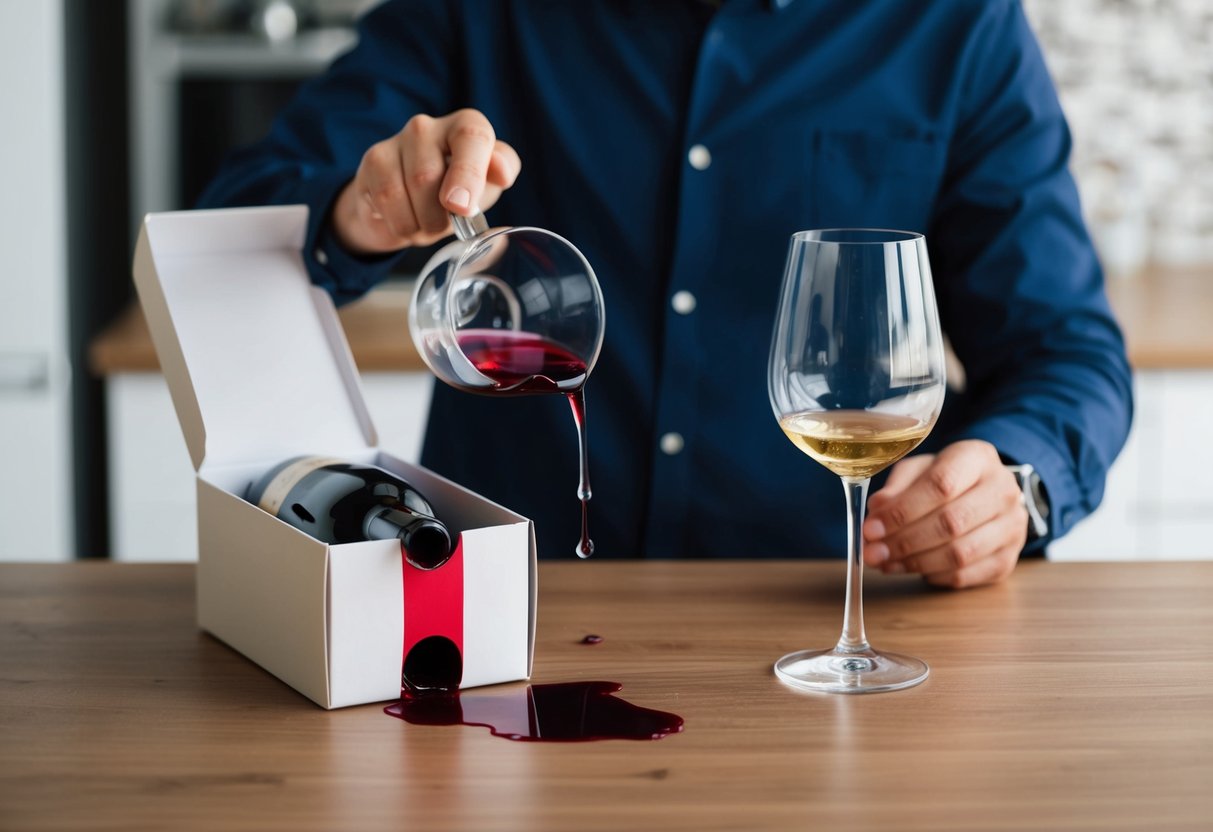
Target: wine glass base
<point>833,671</point>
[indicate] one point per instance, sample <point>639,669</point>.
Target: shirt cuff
<point>1017,442</point>
<point>345,275</point>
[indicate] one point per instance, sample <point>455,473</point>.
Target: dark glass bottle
<point>344,502</point>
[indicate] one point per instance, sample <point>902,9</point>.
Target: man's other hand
<point>957,518</point>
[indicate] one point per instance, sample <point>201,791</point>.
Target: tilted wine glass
<point>510,312</point>
<point>856,380</point>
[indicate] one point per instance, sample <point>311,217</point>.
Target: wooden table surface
<point>1075,696</point>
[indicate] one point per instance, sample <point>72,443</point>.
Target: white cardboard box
<point>260,371</point>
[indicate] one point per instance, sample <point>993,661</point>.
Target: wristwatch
<point>1034,499</point>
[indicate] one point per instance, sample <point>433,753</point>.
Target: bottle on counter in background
<point>342,502</point>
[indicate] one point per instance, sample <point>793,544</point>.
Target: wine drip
<point>521,363</point>
<point>585,547</point>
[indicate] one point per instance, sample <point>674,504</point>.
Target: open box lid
<point>254,354</point>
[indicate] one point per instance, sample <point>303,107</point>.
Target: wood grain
<point>1166,314</point>
<point>1075,696</point>
<point>376,327</point>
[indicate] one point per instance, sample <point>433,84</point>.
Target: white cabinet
<point>152,510</point>
<point>1159,499</point>
<point>36,500</point>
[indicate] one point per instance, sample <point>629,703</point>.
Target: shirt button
<point>321,256</point>
<point>672,443</point>
<point>699,157</point>
<point>684,302</point>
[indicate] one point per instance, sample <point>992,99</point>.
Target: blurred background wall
<point>1136,80</point>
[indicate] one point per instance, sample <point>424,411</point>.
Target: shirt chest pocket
<point>863,179</point>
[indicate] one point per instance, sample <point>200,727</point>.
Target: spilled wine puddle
<point>563,712</point>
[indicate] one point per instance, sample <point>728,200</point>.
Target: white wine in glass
<point>856,380</point>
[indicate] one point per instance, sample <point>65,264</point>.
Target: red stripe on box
<point>433,601</point>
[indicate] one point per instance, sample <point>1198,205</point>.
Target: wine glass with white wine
<point>856,380</point>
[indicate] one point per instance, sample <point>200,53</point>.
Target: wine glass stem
<point>853,638</point>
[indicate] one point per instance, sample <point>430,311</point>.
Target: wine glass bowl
<point>856,381</point>
<point>508,311</point>
<point>511,312</point>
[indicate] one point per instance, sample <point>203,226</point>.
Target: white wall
<point>35,484</point>
<point>1136,80</point>
<point>1159,502</point>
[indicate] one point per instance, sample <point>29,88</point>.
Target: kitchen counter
<point>1167,316</point>
<point>1165,313</point>
<point>376,327</point>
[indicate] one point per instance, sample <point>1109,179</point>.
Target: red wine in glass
<point>522,363</point>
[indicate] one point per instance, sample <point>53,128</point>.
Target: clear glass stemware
<point>856,380</point>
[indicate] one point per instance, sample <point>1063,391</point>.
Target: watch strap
<point>1034,499</point>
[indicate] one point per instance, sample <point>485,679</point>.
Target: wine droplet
<point>585,547</point>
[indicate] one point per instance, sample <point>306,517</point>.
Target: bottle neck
<point>425,541</point>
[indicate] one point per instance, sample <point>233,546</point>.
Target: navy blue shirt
<point>679,145</point>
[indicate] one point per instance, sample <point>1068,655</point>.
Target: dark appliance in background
<point>208,76</point>
<point>158,92</point>
<point>217,115</point>
<point>238,64</point>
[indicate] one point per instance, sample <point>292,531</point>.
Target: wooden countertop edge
<point>376,327</point>
<point>1166,315</point>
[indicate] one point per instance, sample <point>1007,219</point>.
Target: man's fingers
<point>901,476</point>
<point>504,165</point>
<point>952,472</point>
<point>381,180</point>
<point>469,143</point>
<point>407,186</point>
<point>504,168</point>
<point>424,163</point>
<point>1005,530</point>
<point>985,571</point>
<point>951,522</point>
